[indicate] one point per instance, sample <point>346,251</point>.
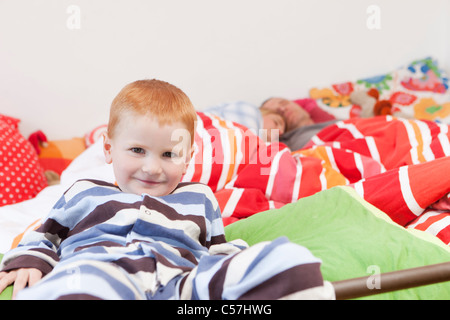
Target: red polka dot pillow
<point>21,175</point>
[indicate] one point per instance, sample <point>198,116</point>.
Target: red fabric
<point>397,165</point>
<point>316,113</point>
<point>21,176</point>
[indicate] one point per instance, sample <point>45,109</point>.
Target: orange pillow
<point>58,154</point>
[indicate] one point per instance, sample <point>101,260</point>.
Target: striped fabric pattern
<point>99,242</point>
<point>398,165</point>
<point>415,156</point>
<point>434,222</point>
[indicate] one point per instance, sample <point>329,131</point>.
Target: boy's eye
<point>137,150</point>
<point>169,154</point>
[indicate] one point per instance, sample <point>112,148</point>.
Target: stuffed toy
<point>370,103</point>
<point>38,139</point>
<point>55,155</point>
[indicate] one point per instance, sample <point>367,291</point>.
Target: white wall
<point>62,79</point>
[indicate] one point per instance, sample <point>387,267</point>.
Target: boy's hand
<point>20,278</point>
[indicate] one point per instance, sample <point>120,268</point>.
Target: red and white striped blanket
<point>398,165</point>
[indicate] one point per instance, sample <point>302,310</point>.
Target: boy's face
<point>146,157</point>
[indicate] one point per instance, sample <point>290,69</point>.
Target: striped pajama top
<point>172,247</point>
<point>96,219</point>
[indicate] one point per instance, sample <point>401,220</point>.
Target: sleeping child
<point>288,122</point>
<point>149,236</point>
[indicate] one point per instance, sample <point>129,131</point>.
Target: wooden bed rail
<point>392,281</point>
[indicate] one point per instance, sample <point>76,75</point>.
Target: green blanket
<point>7,293</point>
<point>352,237</point>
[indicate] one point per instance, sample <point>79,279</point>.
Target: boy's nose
<point>152,167</point>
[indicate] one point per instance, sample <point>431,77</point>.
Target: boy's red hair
<point>156,98</point>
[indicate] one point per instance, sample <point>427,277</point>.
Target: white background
<point>62,79</point>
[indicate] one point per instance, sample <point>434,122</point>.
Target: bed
<point>367,195</point>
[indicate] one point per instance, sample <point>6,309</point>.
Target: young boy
<point>150,236</point>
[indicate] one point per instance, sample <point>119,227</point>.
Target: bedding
<point>414,154</point>
<point>382,158</point>
<point>358,185</point>
<point>249,176</point>
<point>7,293</point>
<point>58,154</point>
<point>240,112</point>
<point>21,175</point>
<point>351,237</point>
<point>419,90</point>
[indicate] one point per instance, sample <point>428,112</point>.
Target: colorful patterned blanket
<point>418,89</point>
<point>395,164</point>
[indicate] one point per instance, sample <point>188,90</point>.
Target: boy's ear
<point>107,148</point>
<point>188,159</point>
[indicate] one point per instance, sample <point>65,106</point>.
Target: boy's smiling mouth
<point>148,182</point>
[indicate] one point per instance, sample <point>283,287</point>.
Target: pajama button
<point>147,211</point>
